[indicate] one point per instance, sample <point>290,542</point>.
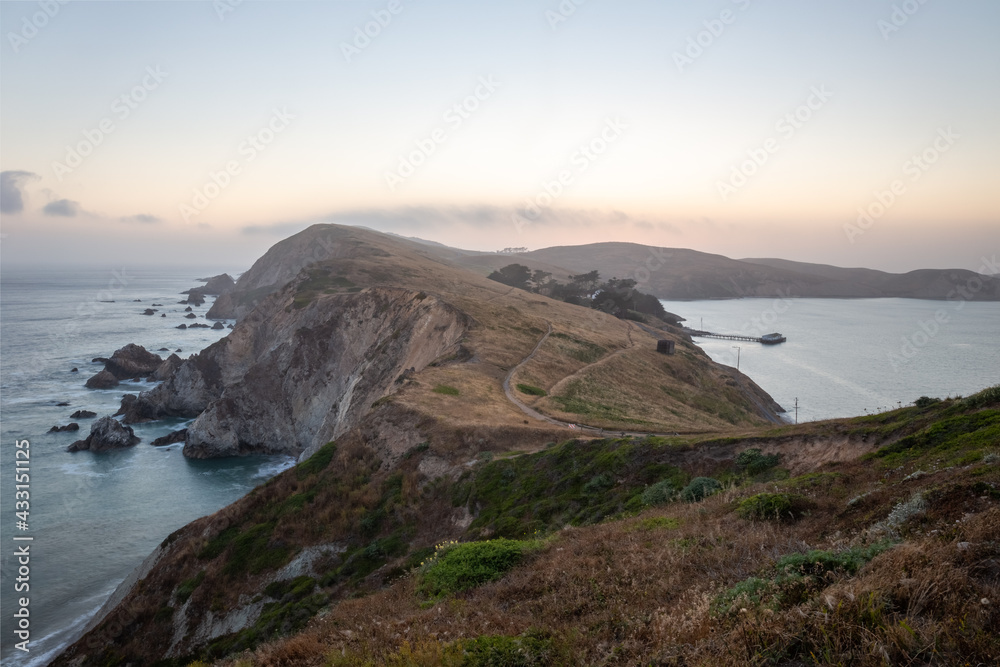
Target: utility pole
<point>796,409</point>
<point>738,349</point>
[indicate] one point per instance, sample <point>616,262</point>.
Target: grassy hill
<point>678,273</point>
<point>597,370</point>
<point>866,541</point>
<point>455,526</point>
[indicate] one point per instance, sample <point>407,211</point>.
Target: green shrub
<point>253,552</point>
<point>218,543</point>
<point>819,562</point>
<point>660,493</point>
<point>989,396</point>
<point>795,578</point>
<point>447,390</point>
<point>657,522</point>
<point>531,390</point>
<point>753,462</point>
<point>599,483</point>
<point>457,568</point>
<point>290,590</point>
<point>317,462</point>
<point>926,402</point>
<point>186,587</point>
<point>771,506</point>
<point>699,489</point>
<point>531,648</point>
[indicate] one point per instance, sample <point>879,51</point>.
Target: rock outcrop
<point>167,368</point>
<point>106,434</point>
<point>103,380</point>
<point>72,426</point>
<point>83,414</point>
<point>132,361</point>
<point>217,285</point>
<point>195,297</point>
<point>289,379</point>
<point>171,438</point>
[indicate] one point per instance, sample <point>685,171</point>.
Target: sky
<point>848,132</point>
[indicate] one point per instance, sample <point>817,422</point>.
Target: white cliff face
<point>288,380</point>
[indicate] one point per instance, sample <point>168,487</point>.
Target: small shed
<point>665,346</point>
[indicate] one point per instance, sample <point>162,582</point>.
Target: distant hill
<point>678,273</point>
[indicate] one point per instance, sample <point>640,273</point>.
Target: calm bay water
<point>94,517</point>
<point>845,357</point>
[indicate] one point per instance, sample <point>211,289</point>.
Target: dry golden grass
<point>508,323</point>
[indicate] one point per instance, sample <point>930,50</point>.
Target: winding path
<point>535,414</point>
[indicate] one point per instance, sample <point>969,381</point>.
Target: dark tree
<point>515,275</point>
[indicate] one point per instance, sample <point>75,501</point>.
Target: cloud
<point>66,208</point>
<point>409,220</point>
<point>143,219</point>
<point>11,189</point>
<point>282,229</point>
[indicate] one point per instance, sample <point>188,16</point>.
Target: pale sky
<point>192,132</point>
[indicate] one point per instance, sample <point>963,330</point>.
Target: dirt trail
<point>558,386</point>
<point>535,414</point>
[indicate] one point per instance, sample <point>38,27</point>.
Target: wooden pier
<point>766,339</point>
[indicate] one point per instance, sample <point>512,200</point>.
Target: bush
<point>531,648</point>
<point>753,461</point>
<point>818,562</point>
<point>926,402</point>
<point>989,396</point>
<point>186,587</point>
<point>457,568</point>
<point>660,493</point>
<point>699,489</point>
<point>318,461</point>
<point>795,578</point>
<point>771,506</point>
<point>599,483</point>
<point>531,390</point>
<point>446,390</point>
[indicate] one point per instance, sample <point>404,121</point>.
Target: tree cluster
<point>616,296</point>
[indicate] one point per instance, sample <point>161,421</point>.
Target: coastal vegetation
<point>570,550</point>
<point>617,296</point>
<point>657,513</point>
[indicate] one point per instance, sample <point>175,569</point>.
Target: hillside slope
<point>384,321</point>
<point>866,541</point>
<point>678,273</point>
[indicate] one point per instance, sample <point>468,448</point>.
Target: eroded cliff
<point>293,376</point>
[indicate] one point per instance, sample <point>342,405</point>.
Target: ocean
<point>93,517</point>
<point>849,357</point>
